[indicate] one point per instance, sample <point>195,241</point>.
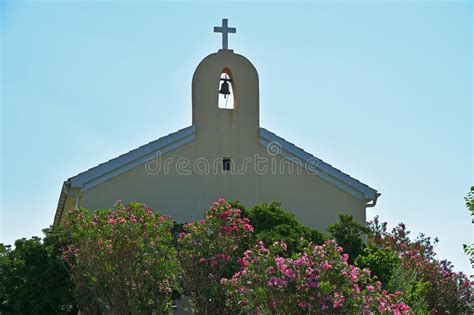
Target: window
<point>226,164</point>
<point>226,91</point>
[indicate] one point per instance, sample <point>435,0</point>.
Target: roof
<point>125,162</point>
<point>316,166</point>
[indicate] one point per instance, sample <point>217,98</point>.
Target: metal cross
<point>225,30</point>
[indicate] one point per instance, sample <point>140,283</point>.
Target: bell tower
<point>241,81</point>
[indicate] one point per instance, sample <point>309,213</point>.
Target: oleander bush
<point>443,290</point>
<point>316,281</point>
<point>131,260</point>
<point>209,250</point>
<point>122,261</point>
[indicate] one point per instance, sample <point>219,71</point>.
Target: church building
<point>225,153</point>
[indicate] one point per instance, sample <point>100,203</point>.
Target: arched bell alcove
<point>225,123</point>
<point>226,90</point>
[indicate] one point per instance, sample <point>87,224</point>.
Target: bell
<point>224,88</point>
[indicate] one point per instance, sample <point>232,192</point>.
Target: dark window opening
<point>226,164</point>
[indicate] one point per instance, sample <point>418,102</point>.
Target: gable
<point>122,164</point>
<point>105,171</point>
<point>318,167</point>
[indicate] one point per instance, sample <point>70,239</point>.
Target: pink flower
<point>326,265</point>
<point>338,303</point>
<point>290,273</point>
<point>345,257</point>
<point>280,260</point>
<point>275,281</point>
<point>121,220</point>
<point>339,300</point>
<point>282,268</point>
<point>370,288</point>
<point>354,273</point>
<point>248,227</point>
<point>271,282</point>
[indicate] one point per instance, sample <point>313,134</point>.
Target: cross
<point>225,30</point>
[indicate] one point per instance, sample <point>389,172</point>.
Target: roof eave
<point>61,203</point>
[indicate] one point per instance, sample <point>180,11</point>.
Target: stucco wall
<point>315,202</point>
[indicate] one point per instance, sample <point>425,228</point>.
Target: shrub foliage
<point>316,281</point>
<point>33,276</point>
<point>130,260</point>
<point>122,261</point>
<point>272,223</point>
<point>208,251</point>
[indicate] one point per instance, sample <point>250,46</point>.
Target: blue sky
<point>382,91</point>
